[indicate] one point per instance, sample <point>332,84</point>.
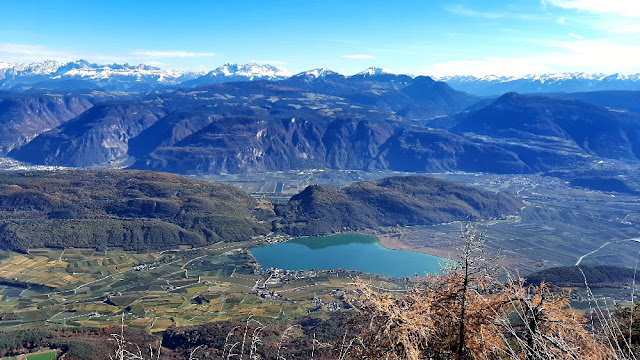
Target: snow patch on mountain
<point>38,72</point>
<point>316,73</point>
<point>238,72</point>
<point>374,70</point>
<point>542,78</point>
<point>251,71</point>
<point>540,83</point>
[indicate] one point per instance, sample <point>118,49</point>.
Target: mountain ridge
<point>543,83</point>
<point>126,77</point>
<point>549,133</point>
<point>265,126</point>
<point>392,201</point>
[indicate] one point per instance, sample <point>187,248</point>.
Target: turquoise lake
<point>346,251</point>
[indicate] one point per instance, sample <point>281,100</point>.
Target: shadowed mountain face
<point>261,126</point>
<point>23,116</point>
<point>395,201</point>
<point>98,137</point>
<point>548,133</point>
<point>370,121</point>
<point>619,100</point>
<point>239,145</point>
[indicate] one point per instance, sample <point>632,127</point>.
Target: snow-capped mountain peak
<point>238,72</point>
<point>316,73</point>
<point>541,83</point>
<point>112,76</point>
<point>372,71</point>
<point>251,71</point>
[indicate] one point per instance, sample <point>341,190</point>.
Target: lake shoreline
<point>350,251</point>
<point>392,242</point>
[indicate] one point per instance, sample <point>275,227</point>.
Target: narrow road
<point>591,253</point>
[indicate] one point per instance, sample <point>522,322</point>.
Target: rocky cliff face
<point>245,127</point>
<point>248,145</point>
<point>23,117</point>
<point>344,123</point>
<point>98,137</point>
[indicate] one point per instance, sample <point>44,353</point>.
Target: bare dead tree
<point>474,263</point>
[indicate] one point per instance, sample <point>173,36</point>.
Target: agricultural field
<point>156,289</point>
<point>560,225</point>
<point>47,355</point>
<point>279,186</point>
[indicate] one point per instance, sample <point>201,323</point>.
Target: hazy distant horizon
<point>284,68</point>
<point>434,38</point>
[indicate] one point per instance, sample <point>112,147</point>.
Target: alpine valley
<point>133,193</point>
<point>255,125</point>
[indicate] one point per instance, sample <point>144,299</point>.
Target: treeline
<point>575,276</point>
<point>76,344</point>
<point>289,339</point>
<point>139,210</point>
<point>394,201</point>
<point>131,209</point>
<point>317,335</point>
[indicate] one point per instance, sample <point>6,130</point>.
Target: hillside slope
<point>394,201</point>
<point>550,133</point>
<point>130,209</point>
<point>22,117</point>
<point>259,126</point>
<point>575,276</point>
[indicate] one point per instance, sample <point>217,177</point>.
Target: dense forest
<point>576,276</point>
<point>394,201</point>
<point>139,210</point>
<point>129,209</point>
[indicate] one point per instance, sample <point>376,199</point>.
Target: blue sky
<point>433,37</point>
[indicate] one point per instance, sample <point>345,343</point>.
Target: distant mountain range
<point>84,75</point>
<point>331,122</point>
<point>317,119</point>
<point>56,75</point>
<point>235,72</point>
<point>81,75</point>
<point>548,133</point>
<point>336,123</point>
<point>547,83</point>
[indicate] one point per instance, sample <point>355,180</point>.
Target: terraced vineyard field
<point>181,287</point>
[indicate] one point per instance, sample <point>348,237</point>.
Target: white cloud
<point>561,20</point>
<point>622,27</point>
<point>576,36</point>
<point>593,55</point>
<point>29,52</point>
<point>26,53</point>
<point>358,56</point>
<point>487,66</point>
<point>170,54</point>
<point>627,8</point>
<point>20,49</point>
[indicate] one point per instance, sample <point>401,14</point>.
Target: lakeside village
<point>276,278</point>
<point>275,283</point>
